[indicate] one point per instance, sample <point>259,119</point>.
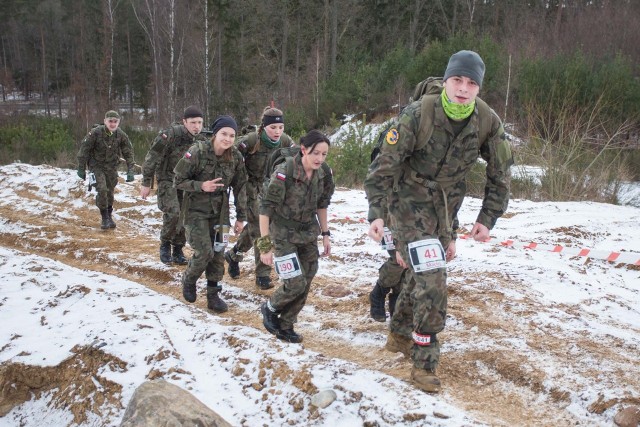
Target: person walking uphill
<point>100,152</point>
<point>257,147</point>
<point>205,173</point>
<point>424,205</point>
<point>165,152</point>
<point>293,212</point>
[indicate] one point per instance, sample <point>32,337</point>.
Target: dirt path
<point>491,351</point>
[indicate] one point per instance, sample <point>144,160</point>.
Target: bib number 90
<point>426,255</point>
<point>287,266</point>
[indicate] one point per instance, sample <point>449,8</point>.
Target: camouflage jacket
<point>441,163</point>
<point>101,149</point>
<point>166,149</point>
<point>255,161</point>
<point>200,164</point>
<point>292,202</point>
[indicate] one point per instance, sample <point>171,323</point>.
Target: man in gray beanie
<point>166,149</point>
<point>433,147</point>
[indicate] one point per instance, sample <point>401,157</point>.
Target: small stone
<point>628,417</point>
<point>324,398</point>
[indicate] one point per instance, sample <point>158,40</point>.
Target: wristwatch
<point>325,233</point>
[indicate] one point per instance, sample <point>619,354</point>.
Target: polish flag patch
<point>281,176</point>
<point>187,155</point>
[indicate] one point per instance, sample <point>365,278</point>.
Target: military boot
<point>289,335</point>
<point>188,289</point>
<point>165,253</point>
<point>177,256</point>
<point>376,298</point>
<point>214,302</point>
<point>110,218</point>
<point>264,282</point>
<point>425,379</point>
<point>270,318</point>
<point>393,298</point>
<point>105,219</point>
<point>234,266</point>
<point>397,343</point>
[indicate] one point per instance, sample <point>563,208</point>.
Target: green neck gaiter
<point>267,141</point>
<point>456,111</point>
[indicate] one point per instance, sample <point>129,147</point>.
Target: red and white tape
<point>621,257</point>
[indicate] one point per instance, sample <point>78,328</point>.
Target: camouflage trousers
<point>421,308</point>
<point>251,231</point>
<point>170,202</point>
<point>106,181</point>
<point>391,274</point>
<point>289,298</point>
<point>201,235</point>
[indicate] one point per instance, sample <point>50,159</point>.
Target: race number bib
<point>387,240</point>
<point>426,255</point>
<point>287,266</point>
<point>222,238</point>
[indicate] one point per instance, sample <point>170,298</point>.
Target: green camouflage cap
<point>112,115</point>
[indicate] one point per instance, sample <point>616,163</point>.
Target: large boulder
<point>159,403</point>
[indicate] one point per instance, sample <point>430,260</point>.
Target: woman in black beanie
<point>206,173</point>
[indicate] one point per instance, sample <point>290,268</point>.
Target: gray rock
<point>161,404</point>
<point>324,398</point>
<point>628,417</point>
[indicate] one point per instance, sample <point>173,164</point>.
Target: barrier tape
<point>621,257</point>
<point>631,258</point>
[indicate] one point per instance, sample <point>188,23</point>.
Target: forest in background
<point>561,73</point>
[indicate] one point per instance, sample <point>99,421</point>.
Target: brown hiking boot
<point>397,343</point>
<point>425,379</point>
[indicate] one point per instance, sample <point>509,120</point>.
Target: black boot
<point>105,219</point>
<point>188,289</point>
<point>377,300</point>
<point>270,318</point>
<point>213,299</point>
<point>289,335</point>
<point>178,255</point>
<point>165,252</point>
<point>264,282</point>
<point>110,218</point>
<point>234,266</point>
<point>393,298</point>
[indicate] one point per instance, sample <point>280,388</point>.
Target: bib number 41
<point>426,255</point>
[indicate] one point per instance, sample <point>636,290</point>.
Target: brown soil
<point>495,380</point>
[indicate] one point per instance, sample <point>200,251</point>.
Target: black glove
<point>81,173</point>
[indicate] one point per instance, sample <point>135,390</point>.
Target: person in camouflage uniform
<point>257,147</point>
<point>100,152</point>
<point>206,173</point>
<point>293,212</point>
<point>424,205</point>
<point>167,148</point>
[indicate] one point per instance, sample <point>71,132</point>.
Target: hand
<point>400,261</point>
<point>213,185</point>
<point>451,251</point>
<point>326,245</point>
<point>376,229</point>
<point>81,173</point>
<point>479,232</point>
<point>144,192</point>
<point>130,177</point>
<point>238,226</point>
<point>267,259</point>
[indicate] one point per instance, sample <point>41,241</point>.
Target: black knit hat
<point>191,112</point>
<point>465,63</point>
<point>272,115</point>
<point>223,122</point>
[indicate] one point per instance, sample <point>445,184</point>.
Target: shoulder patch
<point>187,155</point>
<point>392,136</point>
<point>281,176</point>
<point>164,135</point>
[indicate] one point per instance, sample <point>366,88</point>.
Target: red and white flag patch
<point>281,176</point>
<point>187,155</point>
